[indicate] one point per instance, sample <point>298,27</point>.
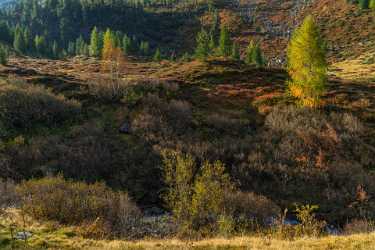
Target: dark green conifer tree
<point>94,43</point>
<point>236,52</point>
<point>202,49</point>
<point>19,43</point>
<point>157,56</point>
<point>225,44</point>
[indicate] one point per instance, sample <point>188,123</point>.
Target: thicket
<point>99,210</point>
<point>24,106</point>
<point>204,201</point>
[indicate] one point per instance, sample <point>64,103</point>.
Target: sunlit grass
<point>53,236</point>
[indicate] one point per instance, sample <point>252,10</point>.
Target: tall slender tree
<point>19,42</point>
<point>236,52</point>
<point>126,44</point>
<point>202,49</point>
<point>3,55</point>
<point>157,56</point>
<point>250,52</point>
<point>225,44</point>
<point>40,46</point>
<point>307,65</point>
<point>108,45</point>
<point>94,43</point>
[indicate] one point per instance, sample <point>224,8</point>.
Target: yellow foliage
<point>108,45</point>
<point>307,66</point>
<point>112,56</point>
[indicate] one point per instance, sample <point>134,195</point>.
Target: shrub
<point>309,225</point>
<point>358,226</point>
<point>161,119</point>
<point>208,197</point>
<point>179,173</point>
<point>227,125</point>
<point>318,156</point>
<point>76,203</point>
<point>26,106</point>
<point>196,200</point>
<point>250,208</point>
<point>110,89</point>
<point>8,196</point>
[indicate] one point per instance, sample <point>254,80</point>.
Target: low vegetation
<point>117,145</point>
<point>24,107</point>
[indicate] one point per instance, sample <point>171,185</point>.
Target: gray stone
<point>23,235</point>
<point>125,128</point>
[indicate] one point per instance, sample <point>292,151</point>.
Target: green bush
<point>77,203</point>
<point>196,199</point>
<point>309,225</point>
<point>24,106</point>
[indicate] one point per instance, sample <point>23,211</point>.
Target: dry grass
<point>361,68</point>
<point>52,236</point>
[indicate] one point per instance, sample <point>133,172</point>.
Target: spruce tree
<point>254,55</point>
<point>257,56</point>
<point>94,43</point>
<point>71,48</point>
<point>250,53</point>
<point>144,48</point>
<point>236,52</point>
<point>19,43</point>
<point>39,43</point>
<point>307,65</point>
<point>3,56</point>
<point>80,44</point>
<point>28,40</point>
<point>5,33</point>
<point>225,42</point>
<point>116,38</point>
<point>157,56</point>
<point>55,50</point>
<point>202,49</point>
<point>212,44</point>
<point>126,44</point>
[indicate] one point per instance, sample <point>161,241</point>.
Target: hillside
<point>185,124</point>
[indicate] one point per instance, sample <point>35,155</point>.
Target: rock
<point>125,128</point>
<point>23,235</point>
<point>154,211</point>
<point>332,230</point>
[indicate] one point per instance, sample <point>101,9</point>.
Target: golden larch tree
<point>307,65</point>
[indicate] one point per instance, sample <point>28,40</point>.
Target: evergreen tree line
<point>209,45</point>
<point>51,27</point>
<point>24,43</point>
